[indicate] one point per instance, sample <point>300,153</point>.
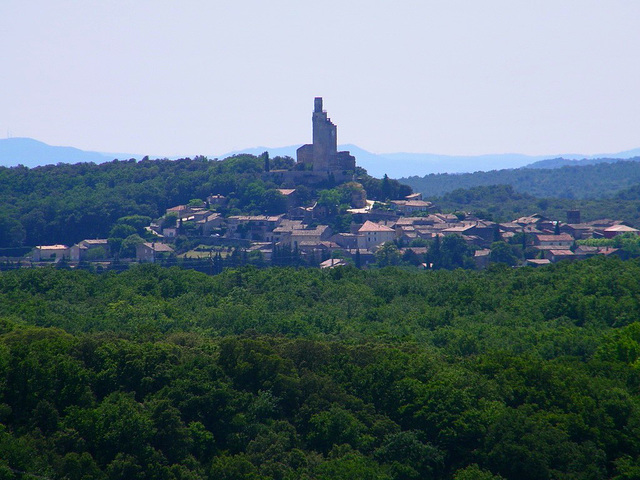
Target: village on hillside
<point>412,225</point>
<point>408,230</point>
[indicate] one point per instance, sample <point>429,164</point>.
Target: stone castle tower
<point>322,155</point>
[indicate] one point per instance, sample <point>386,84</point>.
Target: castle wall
<point>342,161</point>
<point>309,177</point>
<point>305,154</point>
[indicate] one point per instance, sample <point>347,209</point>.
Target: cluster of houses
<point>556,241</point>
<point>549,240</point>
<point>302,230</point>
<point>97,251</point>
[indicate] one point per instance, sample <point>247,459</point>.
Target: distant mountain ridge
<point>32,153</point>
<point>563,162</point>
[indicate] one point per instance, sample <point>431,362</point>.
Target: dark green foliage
<point>273,202</point>
<point>383,189</point>
<point>12,232</point>
<point>388,255</point>
<point>283,373</point>
<point>450,252</point>
<point>501,252</point>
<point>139,222</point>
<point>282,163</point>
<point>128,246</point>
<point>122,231</point>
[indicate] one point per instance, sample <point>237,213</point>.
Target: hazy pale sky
<point>206,77</point>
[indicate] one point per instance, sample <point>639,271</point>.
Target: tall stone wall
<point>325,138</point>
<point>323,153</point>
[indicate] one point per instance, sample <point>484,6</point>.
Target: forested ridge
<point>587,181</point>
<point>343,374</point>
<point>67,203</point>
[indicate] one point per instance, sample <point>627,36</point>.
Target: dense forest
<point>281,373</point>
<point>68,203</point>
<point>588,181</point>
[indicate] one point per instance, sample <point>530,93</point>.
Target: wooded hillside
<point>589,181</point>
<point>346,374</point>
<point>68,203</point>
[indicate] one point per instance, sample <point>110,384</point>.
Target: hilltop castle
<point>319,161</point>
<point>322,155</point>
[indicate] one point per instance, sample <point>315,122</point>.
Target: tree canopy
<point>285,373</point>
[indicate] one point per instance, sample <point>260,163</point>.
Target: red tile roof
<point>562,253</point>
<point>620,228</point>
<point>563,237</point>
<point>158,247</point>
<point>369,226</point>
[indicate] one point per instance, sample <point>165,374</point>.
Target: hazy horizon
<point>31,153</point>
<point>459,78</point>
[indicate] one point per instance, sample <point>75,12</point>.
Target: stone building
<point>371,235</point>
<point>322,155</point>
<point>152,252</point>
<point>252,227</point>
<point>50,252</point>
<point>95,249</point>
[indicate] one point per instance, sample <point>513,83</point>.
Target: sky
<point>207,77</point>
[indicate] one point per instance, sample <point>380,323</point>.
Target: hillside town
<point>306,232</point>
<point>412,225</point>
